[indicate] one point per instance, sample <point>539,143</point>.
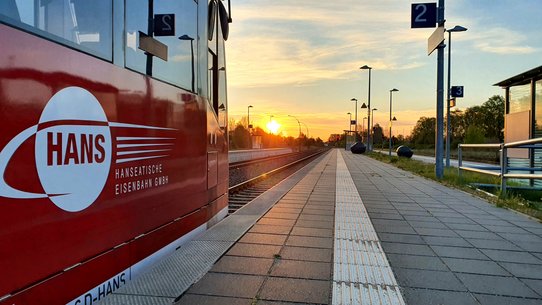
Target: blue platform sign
<point>423,15</point>
<point>457,91</point>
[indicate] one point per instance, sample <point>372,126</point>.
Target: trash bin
<point>404,151</point>
<point>358,148</point>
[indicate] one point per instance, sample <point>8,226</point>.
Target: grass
<point>527,202</point>
<point>477,155</point>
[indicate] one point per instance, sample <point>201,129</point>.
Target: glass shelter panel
<point>81,24</point>
<point>520,98</point>
<point>538,105</point>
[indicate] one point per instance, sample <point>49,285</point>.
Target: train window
<point>181,58</point>
<point>82,24</point>
<point>222,96</point>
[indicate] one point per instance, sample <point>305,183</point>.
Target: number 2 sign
<point>423,15</point>
<point>164,25</point>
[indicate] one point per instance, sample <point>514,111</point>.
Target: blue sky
<point>302,58</point>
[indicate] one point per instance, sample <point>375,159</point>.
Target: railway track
<point>245,191</point>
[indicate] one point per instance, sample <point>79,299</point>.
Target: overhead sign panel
<point>152,46</point>
<point>423,15</point>
<point>457,91</point>
<point>164,25</point>
<point>435,39</point>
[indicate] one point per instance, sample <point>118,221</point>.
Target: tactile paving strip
<point>361,272</point>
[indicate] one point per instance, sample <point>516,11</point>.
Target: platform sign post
<point>428,15</point>
<point>439,132</point>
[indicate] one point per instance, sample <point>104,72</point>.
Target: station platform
<point>348,229</point>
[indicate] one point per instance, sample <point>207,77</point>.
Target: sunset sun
<point>273,127</point>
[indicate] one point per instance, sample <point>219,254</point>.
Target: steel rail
<point>238,164</point>
<point>244,184</point>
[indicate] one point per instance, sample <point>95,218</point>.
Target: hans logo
<point>72,154</point>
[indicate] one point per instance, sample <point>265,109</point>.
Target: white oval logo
<point>72,151</point>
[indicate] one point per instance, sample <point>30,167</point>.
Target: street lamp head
<point>186,37</point>
<point>349,113</point>
<point>250,106</point>
<point>353,99</point>
<point>374,109</point>
<point>363,106</point>
<point>394,119</point>
<point>365,67</point>
<point>394,90</point>
<point>457,28</point>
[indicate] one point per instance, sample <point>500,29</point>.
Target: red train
<point>113,146</point>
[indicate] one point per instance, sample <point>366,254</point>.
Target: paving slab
<point>302,269</point>
<point>264,239</point>
<point>243,265</point>
<point>191,299</point>
<point>512,256</point>
<point>496,285</point>
<point>308,254</point>
<point>416,262</point>
<point>219,284</point>
<point>428,279</point>
<point>463,265</point>
<point>296,290</point>
<point>418,296</point>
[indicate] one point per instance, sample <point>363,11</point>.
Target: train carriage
<point>113,146</point>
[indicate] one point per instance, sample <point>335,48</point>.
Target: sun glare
<point>273,127</point>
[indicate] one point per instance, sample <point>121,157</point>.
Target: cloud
<point>300,42</point>
<point>502,41</point>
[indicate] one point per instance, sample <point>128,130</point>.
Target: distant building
<point>334,137</point>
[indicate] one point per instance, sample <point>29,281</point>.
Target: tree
<point>424,131</point>
<point>240,137</point>
<point>493,118</point>
<point>474,135</point>
<point>377,133</point>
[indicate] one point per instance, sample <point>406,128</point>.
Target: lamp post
<point>391,95</point>
<point>186,38</point>
<point>457,28</point>
<point>298,123</point>
<point>350,122</point>
<point>249,126</point>
<point>365,67</point>
<point>356,118</point>
<point>363,106</point>
<point>248,117</point>
<point>299,136</point>
<point>373,116</point>
<point>307,128</point>
<point>362,126</point>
